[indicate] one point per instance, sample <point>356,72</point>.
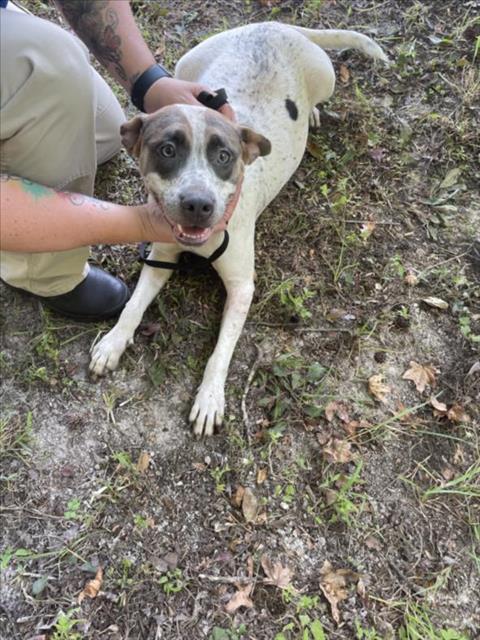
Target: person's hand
<point>172,91</point>
<point>153,226</point>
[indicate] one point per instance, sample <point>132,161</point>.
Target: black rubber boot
<point>99,297</point>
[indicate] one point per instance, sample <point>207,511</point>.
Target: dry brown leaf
<point>351,427</point>
<point>367,229</point>
<point>334,586</point>
<point>440,407</point>
<point>237,497</point>
<point>373,543</point>
<point>421,375</point>
<point>92,587</point>
<point>338,409</point>
<point>361,589</point>
<point>335,314</point>
<point>249,505</point>
<point>456,413</point>
<point>344,74</point>
<point>278,574</point>
<point>143,461</point>
<point>411,279</point>
<point>448,473</point>
<point>438,303</point>
<point>240,599</point>
<point>339,451</point>
<point>378,388</point>
<point>262,475</point>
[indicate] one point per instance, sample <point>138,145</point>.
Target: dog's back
<point>274,75</point>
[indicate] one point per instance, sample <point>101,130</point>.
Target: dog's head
<point>192,161</point>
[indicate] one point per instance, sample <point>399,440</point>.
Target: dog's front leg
<point>208,408</point>
<point>107,353</point>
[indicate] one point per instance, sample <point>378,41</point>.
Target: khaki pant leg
<point>58,119</point>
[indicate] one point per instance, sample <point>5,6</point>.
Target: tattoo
<point>34,189</point>
<point>38,191</point>
<point>78,199</point>
<point>96,21</point>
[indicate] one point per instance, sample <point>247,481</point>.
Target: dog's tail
<point>343,39</point>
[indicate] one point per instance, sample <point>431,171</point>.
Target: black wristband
<point>143,83</point>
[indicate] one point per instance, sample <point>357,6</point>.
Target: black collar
<point>159,264</point>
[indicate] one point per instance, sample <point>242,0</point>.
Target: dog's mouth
<point>192,236</point>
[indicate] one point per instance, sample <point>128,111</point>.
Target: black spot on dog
<point>291,108</point>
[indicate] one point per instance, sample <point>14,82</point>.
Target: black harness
<point>188,262</point>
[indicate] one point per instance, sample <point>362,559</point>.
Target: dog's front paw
<point>207,410</point>
<point>107,353</point>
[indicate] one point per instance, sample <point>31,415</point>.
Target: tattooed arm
<point>35,218</point>
<point>108,29</point>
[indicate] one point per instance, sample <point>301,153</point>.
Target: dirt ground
<point>341,498</point>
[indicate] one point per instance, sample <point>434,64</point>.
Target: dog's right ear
<point>131,133</point>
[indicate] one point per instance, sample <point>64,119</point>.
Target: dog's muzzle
<point>199,208</point>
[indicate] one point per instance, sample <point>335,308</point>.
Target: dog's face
<point>192,160</point>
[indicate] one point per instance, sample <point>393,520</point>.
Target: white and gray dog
<point>205,171</point>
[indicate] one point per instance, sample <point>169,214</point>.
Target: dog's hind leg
<point>237,274</point>
<point>107,353</point>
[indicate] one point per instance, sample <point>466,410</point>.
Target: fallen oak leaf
<point>456,413</point>
<point>249,505</point>
<point>92,587</point>
<point>338,409</point>
<point>421,375</point>
<point>278,573</point>
<point>440,409</point>
<point>337,450</point>
<point>377,388</point>
<point>240,599</point>
<point>334,585</point>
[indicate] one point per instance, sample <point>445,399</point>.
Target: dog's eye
<point>224,156</point>
<point>167,150</point>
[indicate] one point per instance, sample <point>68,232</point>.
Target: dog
<point>206,172</point>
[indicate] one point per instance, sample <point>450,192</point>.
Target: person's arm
<point>35,218</point>
<point>109,30</point>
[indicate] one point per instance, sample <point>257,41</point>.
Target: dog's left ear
<point>254,145</point>
<point>131,133</point>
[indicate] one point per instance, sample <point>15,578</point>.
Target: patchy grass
<point>371,503</point>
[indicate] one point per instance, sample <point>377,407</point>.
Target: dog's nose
<point>197,208</point>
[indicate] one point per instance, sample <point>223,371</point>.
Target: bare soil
<point>382,214</point>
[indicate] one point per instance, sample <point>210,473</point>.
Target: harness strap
<point>159,264</point>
